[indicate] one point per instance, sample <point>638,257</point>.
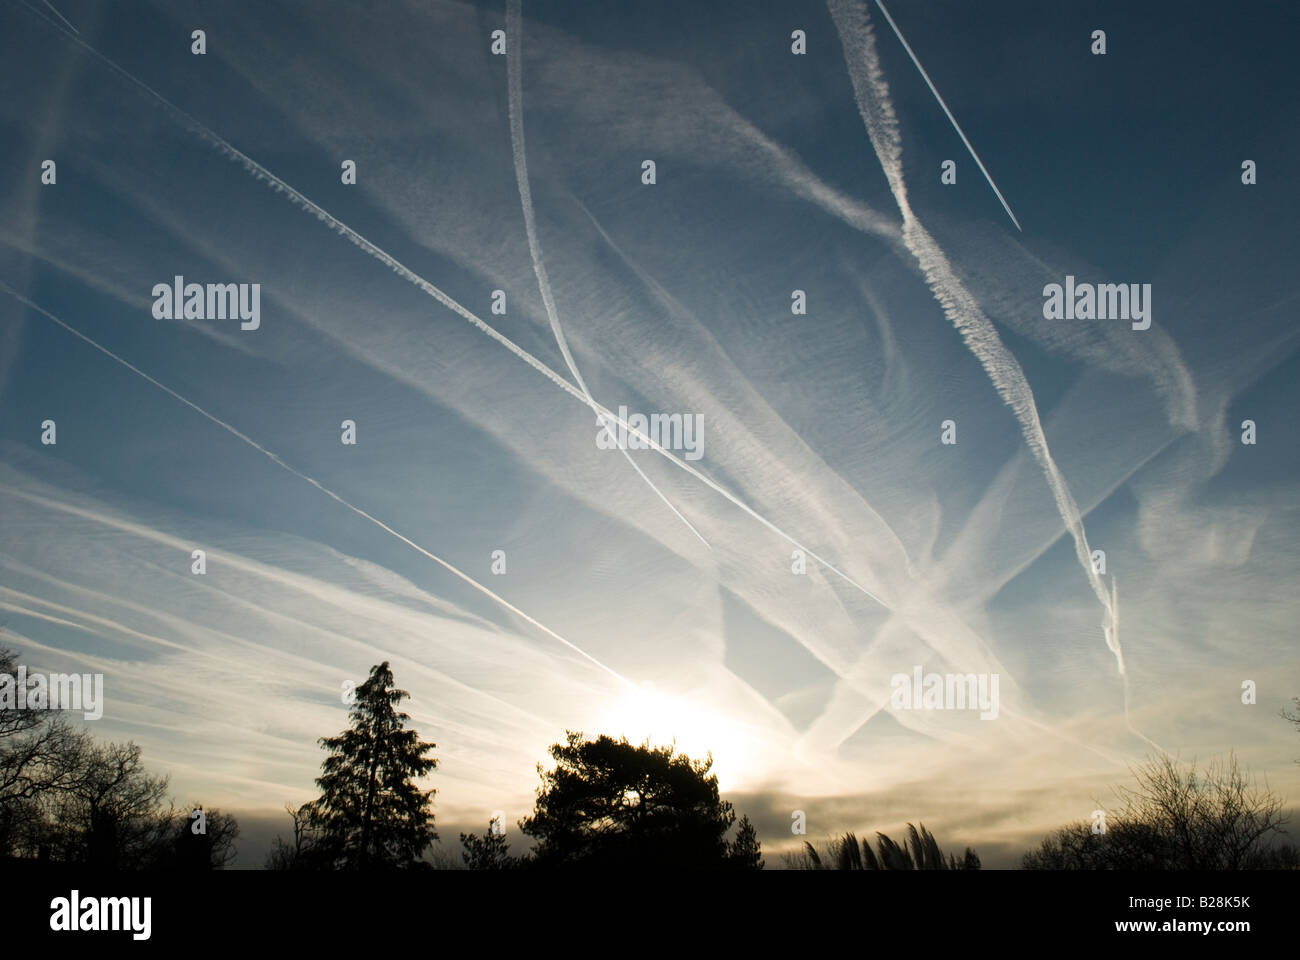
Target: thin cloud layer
<point>757,603</point>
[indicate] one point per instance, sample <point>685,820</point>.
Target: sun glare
<point>697,731</point>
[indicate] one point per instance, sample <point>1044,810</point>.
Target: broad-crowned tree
<point>610,803</point>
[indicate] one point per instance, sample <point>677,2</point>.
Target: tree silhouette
<point>746,852</point>
<point>200,843</point>
<point>371,814</point>
<point>41,754</point>
<point>609,803</point>
<point>488,852</point>
<point>111,817</point>
<point>66,799</point>
<point>1293,717</point>
<point>306,852</point>
<point>1176,819</point>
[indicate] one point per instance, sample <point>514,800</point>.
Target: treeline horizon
<point>67,801</point>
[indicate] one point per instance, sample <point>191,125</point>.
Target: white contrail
<point>1114,615</point>
<point>674,305</point>
<point>56,13</point>
<point>857,36</point>
<point>951,118</point>
<point>323,489</point>
<point>62,17</point>
<point>514,75</point>
<point>260,172</point>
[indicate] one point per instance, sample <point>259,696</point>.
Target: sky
<point>657,592</point>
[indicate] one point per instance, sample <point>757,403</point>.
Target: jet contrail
<point>951,118</point>
<point>1114,615</point>
<point>676,306</point>
<point>853,23</point>
<point>260,172</point>
<point>514,74</point>
<point>62,17</point>
<point>323,489</point>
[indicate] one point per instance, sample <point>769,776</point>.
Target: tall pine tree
<point>371,815</point>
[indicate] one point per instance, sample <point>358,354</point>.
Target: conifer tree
<point>745,852</point>
<point>371,815</point>
<point>488,852</point>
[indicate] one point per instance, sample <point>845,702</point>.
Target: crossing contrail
<point>274,458</point>
<point>260,172</point>
<point>871,92</point>
<point>951,118</point>
<point>514,75</point>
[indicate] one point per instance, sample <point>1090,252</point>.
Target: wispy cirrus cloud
<point>476,434</point>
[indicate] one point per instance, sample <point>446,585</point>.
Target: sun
<point>697,731</point>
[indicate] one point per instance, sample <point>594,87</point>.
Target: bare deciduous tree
<point>1293,717</point>
<point>1178,817</point>
<point>40,752</point>
<point>110,817</point>
<point>302,853</point>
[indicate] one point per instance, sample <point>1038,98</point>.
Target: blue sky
<point>659,601</point>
